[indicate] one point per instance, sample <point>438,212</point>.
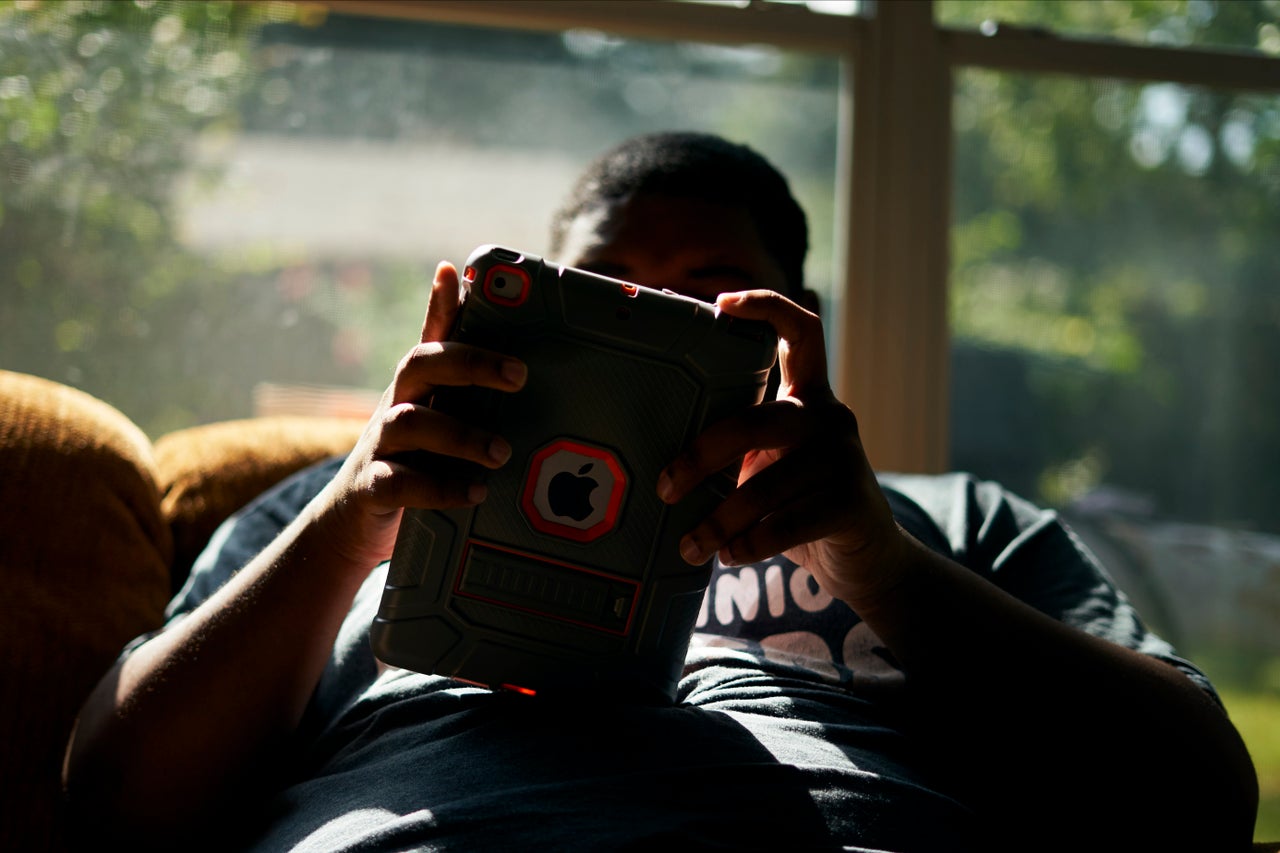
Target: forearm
<point>184,719</point>
<point>1049,724</point>
<point>180,721</point>
<point>1049,730</point>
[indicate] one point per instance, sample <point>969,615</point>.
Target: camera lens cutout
<point>507,285</point>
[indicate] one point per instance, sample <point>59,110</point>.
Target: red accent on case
<point>504,299</point>
<point>565,531</point>
<point>625,630</point>
<point>527,691</point>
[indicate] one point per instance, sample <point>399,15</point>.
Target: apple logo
<point>573,490</point>
<point>569,494</point>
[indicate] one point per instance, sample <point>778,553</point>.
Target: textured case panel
<point>554,582</point>
<point>619,391</point>
<point>521,583</point>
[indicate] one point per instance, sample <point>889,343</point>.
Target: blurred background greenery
<point>200,197</point>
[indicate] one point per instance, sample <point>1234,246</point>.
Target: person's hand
<point>805,489</point>
<point>380,476</point>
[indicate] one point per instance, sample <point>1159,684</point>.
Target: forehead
<point>661,220</point>
<point>665,236</point>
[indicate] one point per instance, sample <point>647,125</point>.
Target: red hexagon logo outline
<point>537,486</point>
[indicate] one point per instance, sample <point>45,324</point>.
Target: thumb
<point>442,304</point>
<point>802,349</point>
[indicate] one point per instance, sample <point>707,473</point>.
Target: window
<point>1115,314</point>
<point>217,209</point>
<point>1177,23</point>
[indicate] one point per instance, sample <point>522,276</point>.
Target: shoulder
<point>974,521</point>
<point>247,531</point>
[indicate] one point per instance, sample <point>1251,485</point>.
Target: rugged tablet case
<point>568,577</point>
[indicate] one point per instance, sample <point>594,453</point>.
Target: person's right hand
<point>361,507</point>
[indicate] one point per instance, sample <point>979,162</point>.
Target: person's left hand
<point>806,489</point>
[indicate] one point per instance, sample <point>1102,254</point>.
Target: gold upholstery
<point>95,519</point>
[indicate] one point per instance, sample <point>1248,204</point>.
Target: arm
<point>207,707</point>
<point>1056,732</point>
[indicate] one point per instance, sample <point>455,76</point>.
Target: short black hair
<point>700,166</point>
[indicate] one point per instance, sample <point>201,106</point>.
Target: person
<point>882,662</point>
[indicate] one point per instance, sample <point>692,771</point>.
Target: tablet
<point>567,578</point>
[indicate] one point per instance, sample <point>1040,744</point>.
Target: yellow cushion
<point>84,562</point>
<point>94,517</point>
<point>206,473</point>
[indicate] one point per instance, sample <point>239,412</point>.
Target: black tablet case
<point>554,585</point>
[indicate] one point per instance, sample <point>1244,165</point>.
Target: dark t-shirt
<point>784,734</point>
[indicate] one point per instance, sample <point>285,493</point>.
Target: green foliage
<point>1119,239</point>
<point>100,105</point>
<point>1226,23</point>
<point>108,110</point>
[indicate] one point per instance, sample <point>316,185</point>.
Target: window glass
<point>1116,323</point>
<point>1241,24</point>
<point>216,209</point>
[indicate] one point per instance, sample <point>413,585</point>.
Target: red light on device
<point>630,290</point>
<point>527,691</point>
<point>469,274</point>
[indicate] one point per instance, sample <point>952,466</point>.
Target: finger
<point>429,365</point>
<point>801,348</point>
<point>394,484</point>
<point>442,304</point>
<point>815,515</point>
<point>768,426</point>
<point>789,480</point>
<point>408,427</point>
<point>770,489</point>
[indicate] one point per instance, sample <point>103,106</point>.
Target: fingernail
<point>514,371</point>
<point>477,493</point>
<point>499,451</point>
<point>664,487</point>
<point>692,553</point>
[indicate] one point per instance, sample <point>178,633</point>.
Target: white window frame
<point>893,199</point>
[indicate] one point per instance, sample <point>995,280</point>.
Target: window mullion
<point>788,28</point>
<point>894,341</point>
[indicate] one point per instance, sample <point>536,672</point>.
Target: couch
<point>100,525</point>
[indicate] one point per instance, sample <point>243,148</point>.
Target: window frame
<point>893,199</point>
